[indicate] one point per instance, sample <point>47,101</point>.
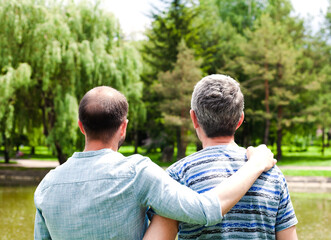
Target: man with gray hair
<point>266,211</point>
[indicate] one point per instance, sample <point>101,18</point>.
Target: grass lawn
<point>304,173</point>
<point>41,153</point>
<point>154,156</point>
<point>312,157</point>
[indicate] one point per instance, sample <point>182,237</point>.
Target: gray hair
<point>218,104</point>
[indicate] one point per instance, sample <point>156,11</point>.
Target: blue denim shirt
<point>104,195</point>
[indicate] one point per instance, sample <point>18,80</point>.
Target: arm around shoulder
<point>161,228</point>
<point>287,234</point>
<point>231,190</point>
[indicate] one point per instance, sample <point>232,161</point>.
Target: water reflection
<point>314,216</point>
<point>17,214</point>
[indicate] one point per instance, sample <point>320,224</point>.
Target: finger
<point>263,146</point>
<point>250,148</point>
<point>249,151</point>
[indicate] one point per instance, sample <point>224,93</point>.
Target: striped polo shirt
<point>265,209</point>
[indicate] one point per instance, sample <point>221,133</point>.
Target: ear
<point>240,120</point>
<point>80,124</point>
<point>123,127</point>
<point>194,119</point>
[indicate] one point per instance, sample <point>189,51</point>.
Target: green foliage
<point>10,82</point>
<point>52,52</point>
<point>168,29</point>
<point>70,48</point>
<point>218,38</point>
<point>241,14</point>
<point>159,51</point>
<point>270,63</point>
<point>178,84</point>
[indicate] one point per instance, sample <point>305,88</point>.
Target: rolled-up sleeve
<point>170,199</point>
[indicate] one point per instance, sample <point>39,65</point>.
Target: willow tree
<point>10,82</point>
<point>176,87</point>
<point>70,49</point>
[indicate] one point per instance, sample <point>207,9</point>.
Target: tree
<point>218,38</point>
<point>176,87</point>
<point>315,68</point>
<point>70,49</point>
<point>159,51</point>
<point>169,27</point>
<point>241,14</point>
<point>10,82</point>
<point>270,62</point>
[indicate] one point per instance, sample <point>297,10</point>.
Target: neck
<point>94,145</point>
<point>224,140</point>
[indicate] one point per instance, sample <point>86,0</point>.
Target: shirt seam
<point>91,180</point>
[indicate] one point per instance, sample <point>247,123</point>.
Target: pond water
<point>17,214</point>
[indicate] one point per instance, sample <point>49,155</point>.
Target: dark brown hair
<point>101,111</point>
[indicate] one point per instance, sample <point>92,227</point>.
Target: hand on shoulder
<point>262,156</point>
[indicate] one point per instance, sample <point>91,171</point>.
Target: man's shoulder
<point>185,161</point>
<point>92,167</point>
<point>207,155</point>
<point>274,176</point>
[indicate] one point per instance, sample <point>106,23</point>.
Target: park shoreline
<point>26,172</point>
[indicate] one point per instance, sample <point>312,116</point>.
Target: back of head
<point>101,111</point>
<point>218,104</point>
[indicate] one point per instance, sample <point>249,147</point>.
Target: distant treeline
<point>52,52</point>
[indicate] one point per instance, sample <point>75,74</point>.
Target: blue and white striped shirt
<point>265,209</point>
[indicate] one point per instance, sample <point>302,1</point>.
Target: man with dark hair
<point>266,211</point>
<point>101,194</point>
<point>101,113</point>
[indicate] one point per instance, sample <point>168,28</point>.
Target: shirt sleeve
<point>40,228</point>
<point>285,217</point>
<point>170,199</point>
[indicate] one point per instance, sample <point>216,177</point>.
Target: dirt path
<point>27,163</point>
<point>308,184</point>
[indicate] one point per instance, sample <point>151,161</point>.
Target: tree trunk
<point>181,144</point>
<point>33,151</point>
<point>7,148</point>
<point>6,155</point>
<point>323,140</point>
<point>198,145</point>
<point>279,133</point>
<point>279,144</point>
<point>135,139</point>
<point>267,109</point>
<point>329,138</point>
<point>60,155</point>
<point>167,154</point>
